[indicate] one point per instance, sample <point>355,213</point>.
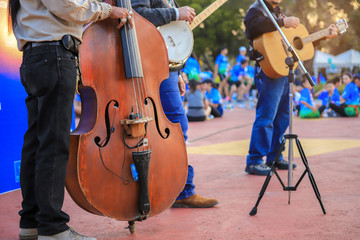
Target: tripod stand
<point>290,63</point>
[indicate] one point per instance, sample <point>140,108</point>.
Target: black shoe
<point>281,164</point>
<point>260,169</point>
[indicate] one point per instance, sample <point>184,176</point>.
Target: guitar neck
<point>207,12</point>
<point>316,36</point>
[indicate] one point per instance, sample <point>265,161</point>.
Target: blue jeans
<point>48,74</point>
<point>175,112</point>
<point>272,119</point>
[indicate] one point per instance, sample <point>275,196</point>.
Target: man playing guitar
<point>272,112</point>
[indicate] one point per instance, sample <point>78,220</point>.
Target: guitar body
<point>179,40</point>
<point>271,46</point>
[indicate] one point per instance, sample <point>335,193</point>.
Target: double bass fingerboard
<point>132,59</point>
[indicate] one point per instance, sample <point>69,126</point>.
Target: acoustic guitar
<point>179,38</point>
<point>274,49</point>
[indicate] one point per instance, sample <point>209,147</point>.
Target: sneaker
<point>69,234</point>
<point>260,169</point>
<point>195,201</point>
<point>28,233</point>
<point>281,164</point>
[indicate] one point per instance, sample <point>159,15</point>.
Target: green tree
<point>223,28</point>
<point>318,14</point>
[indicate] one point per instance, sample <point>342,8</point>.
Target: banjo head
<point>179,40</point>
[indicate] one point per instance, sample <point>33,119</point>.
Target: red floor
<point>337,174</point>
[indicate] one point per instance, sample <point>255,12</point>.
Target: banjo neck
<point>207,12</point>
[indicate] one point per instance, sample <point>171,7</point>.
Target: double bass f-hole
<point>109,130</point>
<point>167,130</point>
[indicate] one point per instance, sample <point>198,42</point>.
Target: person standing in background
<point>220,70</point>
<point>242,55</point>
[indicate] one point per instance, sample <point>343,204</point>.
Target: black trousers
<point>48,74</point>
<point>339,109</point>
<point>215,112</point>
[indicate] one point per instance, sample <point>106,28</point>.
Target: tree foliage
<point>225,26</point>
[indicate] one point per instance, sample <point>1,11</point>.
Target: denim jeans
<point>272,119</point>
<point>175,112</point>
<point>48,74</point>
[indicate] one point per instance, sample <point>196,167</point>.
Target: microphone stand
<point>289,61</point>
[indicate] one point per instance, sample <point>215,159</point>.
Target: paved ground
<point>217,150</point>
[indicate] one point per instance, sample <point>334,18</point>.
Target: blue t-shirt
<point>306,96</point>
<point>240,58</point>
<point>322,79</point>
<point>249,70</point>
<point>206,75</point>
<point>222,62</point>
<point>235,72</point>
<point>192,69</point>
<point>214,97</point>
<point>351,94</point>
<point>326,99</point>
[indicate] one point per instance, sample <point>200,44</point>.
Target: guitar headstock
<point>341,25</point>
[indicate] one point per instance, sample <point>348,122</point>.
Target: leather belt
<point>41,44</point>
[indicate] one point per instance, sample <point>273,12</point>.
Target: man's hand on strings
<point>291,22</point>
<point>123,14</point>
<point>187,14</point>
<point>333,31</point>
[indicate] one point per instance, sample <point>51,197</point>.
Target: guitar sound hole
<point>298,43</point>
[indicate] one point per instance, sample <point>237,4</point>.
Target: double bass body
<point>99,177</point>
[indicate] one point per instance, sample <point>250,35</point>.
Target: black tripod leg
<point>267,180</point>
<point>262,191</point>
<point>311,177</point>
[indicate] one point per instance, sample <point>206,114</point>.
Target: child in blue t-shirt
<point>328,95</point>
<point>308,109</point>
<point>246,78</point>
<point>357,82</point>
<point>192,69</point>
<point>232,82</point>
<point>349,99</point>
<point>213,96</point>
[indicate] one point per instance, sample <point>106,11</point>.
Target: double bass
<point>123,130</point>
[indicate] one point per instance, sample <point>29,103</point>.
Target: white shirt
<point>50,20</point>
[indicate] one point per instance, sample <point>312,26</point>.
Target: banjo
<point>179,38</point>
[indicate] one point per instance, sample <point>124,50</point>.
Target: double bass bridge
<point>135,127</point>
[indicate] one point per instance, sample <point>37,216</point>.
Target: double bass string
<point>131,32</point>
<point>140,77</point>
<point>136,68</point>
